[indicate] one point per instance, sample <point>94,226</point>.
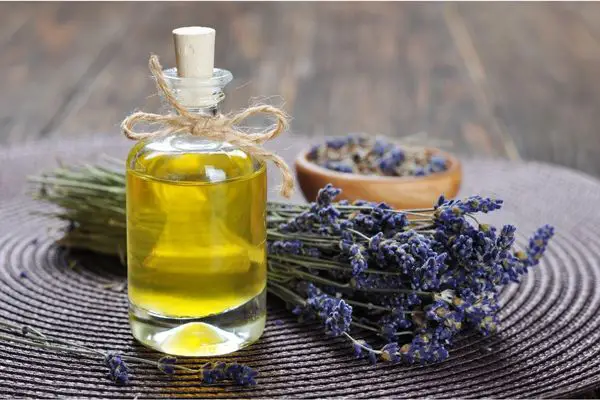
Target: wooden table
<point>508,80</point>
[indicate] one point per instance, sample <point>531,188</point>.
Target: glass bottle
<point>196,236</point>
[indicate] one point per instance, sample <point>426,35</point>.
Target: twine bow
<point>220,127</point>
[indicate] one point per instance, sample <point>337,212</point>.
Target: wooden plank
<point>125,84</point>
<point>44,63</point>
<point>589,12</point>
<point>14,17</point>
<point>541,64</point>
<point>379,68</point>
<point>389,69</point>
<point>464,44</point>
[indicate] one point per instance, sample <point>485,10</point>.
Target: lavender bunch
<point>118,370</point>
<point>361,154</point>
<point>415,278</point>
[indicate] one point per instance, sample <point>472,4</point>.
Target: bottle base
<point>212,335</point>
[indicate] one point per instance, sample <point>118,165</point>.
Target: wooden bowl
<point>398,192</point>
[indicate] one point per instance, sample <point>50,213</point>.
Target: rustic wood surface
<point>497,79</point>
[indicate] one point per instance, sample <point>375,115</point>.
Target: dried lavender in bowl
<point>360,154</point>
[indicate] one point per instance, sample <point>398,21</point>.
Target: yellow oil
<point>195,231</point>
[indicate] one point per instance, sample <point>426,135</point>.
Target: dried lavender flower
<point>118,371</point>
<point>167,364</point>
<point>239,374</point>
<point>367,156</point>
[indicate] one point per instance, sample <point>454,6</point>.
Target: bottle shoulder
<point>187,159</point>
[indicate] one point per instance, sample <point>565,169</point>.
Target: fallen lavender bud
<point>118,370</point>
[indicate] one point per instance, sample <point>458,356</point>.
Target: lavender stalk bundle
<point>414,278</point>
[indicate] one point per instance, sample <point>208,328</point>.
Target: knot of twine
<point>220,127</point>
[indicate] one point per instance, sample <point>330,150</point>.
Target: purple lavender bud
<point>389,352</point>
<point>437,311</point>
<point>334,312</point>
<point>437,163</point>
<point>379,148</point>
<point>419,171</point>
<point>118,371</point>
<point>313,154</point>
<point>327,194</point>
<point>507,237</point>
<point>375,241</point>
<point>397,156</point>
<point>358,350</point>
<point>336,143</point>
<point>241,374</point>
<point>358,261</point>
<point>312,252</point>
<point>339,319</point>
<point>538,243</point>
<point>339,166</point>
<point>166,363</point>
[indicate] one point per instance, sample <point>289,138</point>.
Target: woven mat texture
<point>548,345</point>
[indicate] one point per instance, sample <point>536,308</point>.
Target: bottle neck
<point>189,143</point>
<point>204,110</point>
<point>200,96</point>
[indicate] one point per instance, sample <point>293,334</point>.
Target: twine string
<point>220,127</point>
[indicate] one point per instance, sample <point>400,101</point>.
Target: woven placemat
<point>548,345</point>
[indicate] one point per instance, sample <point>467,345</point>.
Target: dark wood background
<point>517,80</point>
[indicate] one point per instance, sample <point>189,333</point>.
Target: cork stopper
<point>194,51</point>
<point>195,58</point>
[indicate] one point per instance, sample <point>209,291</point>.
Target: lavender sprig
<point>118,370</point>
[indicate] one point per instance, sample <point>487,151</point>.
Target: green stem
<point>276,219</point>
<point>275,275</point>
<point>68,183</point>
<point>317,239</point>
<point>318,279</point>
<point>473,218</point>
<point>365,327</point>
<point>316,263</point>
<point>395,291</point>
<point>416,220</point>
<point>155,363</point>
<point>356,342</point>
<point>372,306</point>
<point>292,295</point>
<point>359,234</point>
<point>46,345</point>
<point>370,328</point>
<point>45,339</point>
